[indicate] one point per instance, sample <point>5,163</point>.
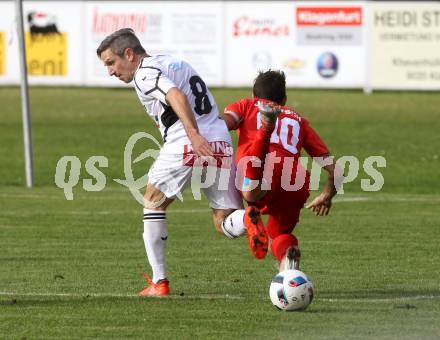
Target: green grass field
<point>71,269</point>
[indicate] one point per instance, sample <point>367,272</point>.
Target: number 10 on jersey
<point>287,134</point>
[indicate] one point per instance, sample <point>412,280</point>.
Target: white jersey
<point>155,76</point>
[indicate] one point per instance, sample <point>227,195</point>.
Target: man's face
<point>121,67</point>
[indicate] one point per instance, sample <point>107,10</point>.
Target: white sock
<point>155,236</point>
<point>233,225</point>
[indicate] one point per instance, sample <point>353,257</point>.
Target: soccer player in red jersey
<point>271,137</point>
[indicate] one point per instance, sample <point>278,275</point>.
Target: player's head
<point>271,85</point>
<point>120,52</point>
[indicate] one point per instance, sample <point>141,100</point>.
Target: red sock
<point>281,243</point>
<point>259,149</point>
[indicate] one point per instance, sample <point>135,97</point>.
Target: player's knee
<point>253,195</point>
<point>154,199</point>
<point>248,196</point>
<point>218,215</point>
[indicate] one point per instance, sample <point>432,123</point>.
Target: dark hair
<point>270,85</point>
<point>120,40</point>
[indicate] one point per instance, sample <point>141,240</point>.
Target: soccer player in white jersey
<point>184,110</point>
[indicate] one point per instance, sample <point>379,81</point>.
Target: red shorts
<point>283,207</point>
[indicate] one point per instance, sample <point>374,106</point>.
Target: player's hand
<point>320,205</point>
<point>201,146</point>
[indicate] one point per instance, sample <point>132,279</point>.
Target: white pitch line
<point>341,198</point>
<point>108,212</point>
<point>351,199</point>
<point>385,299</point>
<point>225,297</point>
<point>111,295</point>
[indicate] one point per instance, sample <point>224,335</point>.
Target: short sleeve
<point>238,110</point>
<point>150,81</point>
<point>311,142</point>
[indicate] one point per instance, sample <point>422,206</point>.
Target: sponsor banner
<point>2,53</point>
<point>193,33</point>
<point>53,43</point>
<point>316,44</point>
<point>6,22</point>
<point>256,39</point>
<point>405,42</point>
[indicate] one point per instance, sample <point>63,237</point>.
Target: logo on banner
<point>46,46</point>
<point>329,26</point>
<point>107,22</point>
<point>327,65</point>
<point>245,26</point>
<point>43,23</point>
<point>329,16</point>
<point>262,60</point>
<point>2,53</point>
<point>294,64</point>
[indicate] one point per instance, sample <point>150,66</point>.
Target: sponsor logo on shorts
<point>222,156</point>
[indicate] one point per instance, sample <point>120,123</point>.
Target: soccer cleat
<point>160,289</point>
<point>256,234</point>
<point>269,114</point>
<point>291,259</point>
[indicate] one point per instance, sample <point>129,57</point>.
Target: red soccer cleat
<point>256,234</point>
<point>160,289</point>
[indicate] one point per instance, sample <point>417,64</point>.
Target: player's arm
<point>180,105</point>
<point>231,120</point>
<point>151,83</point>
<point>233,114</point>
<point>316,148</point>
<point>322,203</point>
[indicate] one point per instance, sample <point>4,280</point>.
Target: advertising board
<point>405,42</point>
<point>316,44</point>
<point>193,33</point>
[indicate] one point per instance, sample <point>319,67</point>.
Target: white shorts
<point>170,175</point>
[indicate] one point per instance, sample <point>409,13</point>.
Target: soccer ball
<point>291,290</point>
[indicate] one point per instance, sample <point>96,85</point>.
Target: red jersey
<point>292,132</point>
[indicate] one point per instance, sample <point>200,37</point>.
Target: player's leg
<point>229,222</point>
<point>284,245</point>
<point>155,236</point>
<point>230,218</point>
<point>166,180</point>
<point>284,209</point>
<point>234,223</point>
<point>259,149</point>
<point>292,255</point>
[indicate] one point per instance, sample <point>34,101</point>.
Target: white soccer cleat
<point>291,259</point>
<point>269,112</point>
